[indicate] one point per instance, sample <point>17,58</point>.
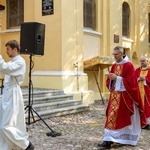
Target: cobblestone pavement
<point>80,131</point>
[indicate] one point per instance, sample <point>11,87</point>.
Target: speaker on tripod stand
<point>32,38</point>
<point>32,42</point>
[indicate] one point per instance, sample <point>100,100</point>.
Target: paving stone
<point>82,131</point>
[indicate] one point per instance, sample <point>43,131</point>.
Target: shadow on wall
<point>135,60</point>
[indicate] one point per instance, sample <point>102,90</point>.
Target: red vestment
<point>121,103</point>
<point>144,89</point>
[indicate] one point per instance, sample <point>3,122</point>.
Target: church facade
<point>78,40</point>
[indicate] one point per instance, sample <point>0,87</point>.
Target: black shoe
<point>30,147</point>
<point>147,127</point>
<point>105,144</point>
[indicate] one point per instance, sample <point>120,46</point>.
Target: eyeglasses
<point>115,54</point>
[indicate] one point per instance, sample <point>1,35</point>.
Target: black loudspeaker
<point>32,38</point>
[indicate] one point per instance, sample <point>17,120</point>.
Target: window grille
<point>15,13</point>
<point>126,20</point>
<point>89,14</point>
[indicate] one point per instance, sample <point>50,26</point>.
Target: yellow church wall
<point>100,46</point>
<point>144,49</point>
<point>51,60</point>
<point>69,76</point>
<point>109,22</point>
<point>115,26</point>
<point>93,47</point>
<point>61,66</point>
<point>68,44</point>
<point>72,33</point>
<point>29,10</point>
<point>3,16</point>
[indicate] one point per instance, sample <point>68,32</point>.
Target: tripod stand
<point>31,110</point>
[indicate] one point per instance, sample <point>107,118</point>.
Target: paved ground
<point>79,132</point>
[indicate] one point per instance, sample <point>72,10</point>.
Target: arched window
<point>126,20</point>
<point>89,14</point>
<point>15,13</point>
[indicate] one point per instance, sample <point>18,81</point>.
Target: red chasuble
<point>144,89</point>
<point>120,105</point>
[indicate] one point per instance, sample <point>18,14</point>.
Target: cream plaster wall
<point>115,26</point>
<point>72,33</point>
<point>52,59</point>
<point>143,28</point>
<point>67,44</point>
<point>109,22</point>
<point>91,44</point>
<point>69,76</point>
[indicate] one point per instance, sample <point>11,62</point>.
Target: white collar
<point>124,60</point>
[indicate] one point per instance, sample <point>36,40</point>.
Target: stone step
<point>55,105</point>
<point>45,114</point>
<point>55,98</point>
<point>50,103</point>
<point>42,93</point>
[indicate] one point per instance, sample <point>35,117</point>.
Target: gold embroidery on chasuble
<point>118,69</point>
<point>113,111</point>
<point>114,102</point>
<point>141,85</point>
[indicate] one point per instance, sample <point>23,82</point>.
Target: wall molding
<point>10,31</point>
<point>58,73</point>
<point>91,32</point>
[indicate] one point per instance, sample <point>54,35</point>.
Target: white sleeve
<point>14,68</point>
